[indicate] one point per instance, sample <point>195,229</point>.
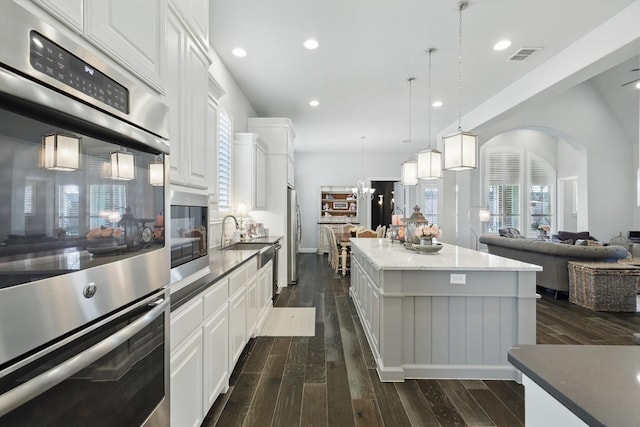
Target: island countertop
<point>393,256</point>
<point>598,383</point>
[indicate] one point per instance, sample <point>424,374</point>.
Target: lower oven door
<point>113,374</point>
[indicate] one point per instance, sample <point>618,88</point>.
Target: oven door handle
<point>43,382</point>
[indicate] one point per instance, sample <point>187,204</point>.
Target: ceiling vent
<point>523,54</point>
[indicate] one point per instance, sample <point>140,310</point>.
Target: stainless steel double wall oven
<point>84,266</point>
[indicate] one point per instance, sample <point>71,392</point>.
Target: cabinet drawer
<point>185,320</point>
<point>215,297</point>
<point>237,279</point>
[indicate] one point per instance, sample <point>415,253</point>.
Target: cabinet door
<point>186,383</point>
<point>196,15</point>
<point>67,11</point>
<point>237,326</point>
<point>252,305</point>
<point>175,53</point>
<point>216,356</point>
<point>265,290</point>
<point>195,121</point>
<point>260,179</point>
<point>133,33</point>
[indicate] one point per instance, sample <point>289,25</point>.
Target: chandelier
<point>429,165</point>
<point>361,191</point>
<point>408,175</point>
<point>460,148</point>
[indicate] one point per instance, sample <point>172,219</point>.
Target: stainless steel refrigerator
<point>293,236</point>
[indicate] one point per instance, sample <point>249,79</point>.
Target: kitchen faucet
<point>222,246</point>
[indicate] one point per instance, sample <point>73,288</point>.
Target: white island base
<point>420,324</point>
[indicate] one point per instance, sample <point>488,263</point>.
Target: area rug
<point>290,322</point>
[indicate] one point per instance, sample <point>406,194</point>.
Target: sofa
<point>552,257</point>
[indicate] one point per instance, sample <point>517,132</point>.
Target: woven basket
<point>603,286</point>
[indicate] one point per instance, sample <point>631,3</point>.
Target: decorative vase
<point>426,241</point>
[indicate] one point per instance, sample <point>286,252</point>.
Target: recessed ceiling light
<point>239,52</point>
<point>314,102</point>
<point>437,104</point>
<point>502,45</point>
<point>638,85</point>
<point>311,44</point>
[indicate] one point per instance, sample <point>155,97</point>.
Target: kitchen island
<point>579,385</point>
<point>452,314</point>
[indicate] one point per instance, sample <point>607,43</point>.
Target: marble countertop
<point>598,383</point>
<point>221,263</point>
<point>393,256</point>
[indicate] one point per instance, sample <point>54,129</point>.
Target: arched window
<point>520,189</point>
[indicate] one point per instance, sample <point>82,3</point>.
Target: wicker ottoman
<point>603,286</point>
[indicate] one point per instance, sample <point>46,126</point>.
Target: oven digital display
<point>49,58</point>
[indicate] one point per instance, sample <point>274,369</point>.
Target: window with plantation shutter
<point>509,173</point>
<point>541,179</point>
<point>225,150</point>
<point>504,180</point>
<point>431,194</point>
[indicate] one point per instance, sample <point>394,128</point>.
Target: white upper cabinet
<point>187,85</point>
<point>67,11</point>
<point>249,171</point>
<point>196,121</point>
<point>196,16</point>
<point>276,132</point>
<point>133,33</point>
<point>278,135</point>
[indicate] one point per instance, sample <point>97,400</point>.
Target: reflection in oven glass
<point>72,196</point>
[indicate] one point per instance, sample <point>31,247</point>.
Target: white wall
<point>234,100</point>
<point>313,170</point>
<point>579,117</point>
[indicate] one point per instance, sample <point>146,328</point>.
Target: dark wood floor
<point>330,379</point>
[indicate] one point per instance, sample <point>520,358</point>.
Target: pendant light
<point>360,191</point>
<point>408,174</point>
<point>60,152</point>
<point>429,165</point>
<point>460,148</point>
<point>156,173</point>
<point>122,165</point>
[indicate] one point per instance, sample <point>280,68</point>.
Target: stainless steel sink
<point>244,246</point>
<point>267,250</point>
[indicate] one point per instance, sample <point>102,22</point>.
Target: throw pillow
<point>511,232</point>
<point>570,235</point>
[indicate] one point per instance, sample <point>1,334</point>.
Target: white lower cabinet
<point>216,355</point>
<point>186,375</point>
<point>237,325</point>
<point>208,335</point>
<point>252,306</point>
<point>265,290</point>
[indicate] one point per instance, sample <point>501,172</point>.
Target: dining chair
<point>381,230</point>
<point>334,256</point>
<point>367,233</point>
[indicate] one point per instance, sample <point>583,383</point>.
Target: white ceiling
<point>368,49</point>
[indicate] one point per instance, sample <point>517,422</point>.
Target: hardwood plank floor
<point>330,379</point>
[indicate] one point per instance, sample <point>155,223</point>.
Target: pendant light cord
<point>461,6</point>
<point>429,51</point>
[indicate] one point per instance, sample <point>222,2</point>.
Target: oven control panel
<point>49,58</point>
